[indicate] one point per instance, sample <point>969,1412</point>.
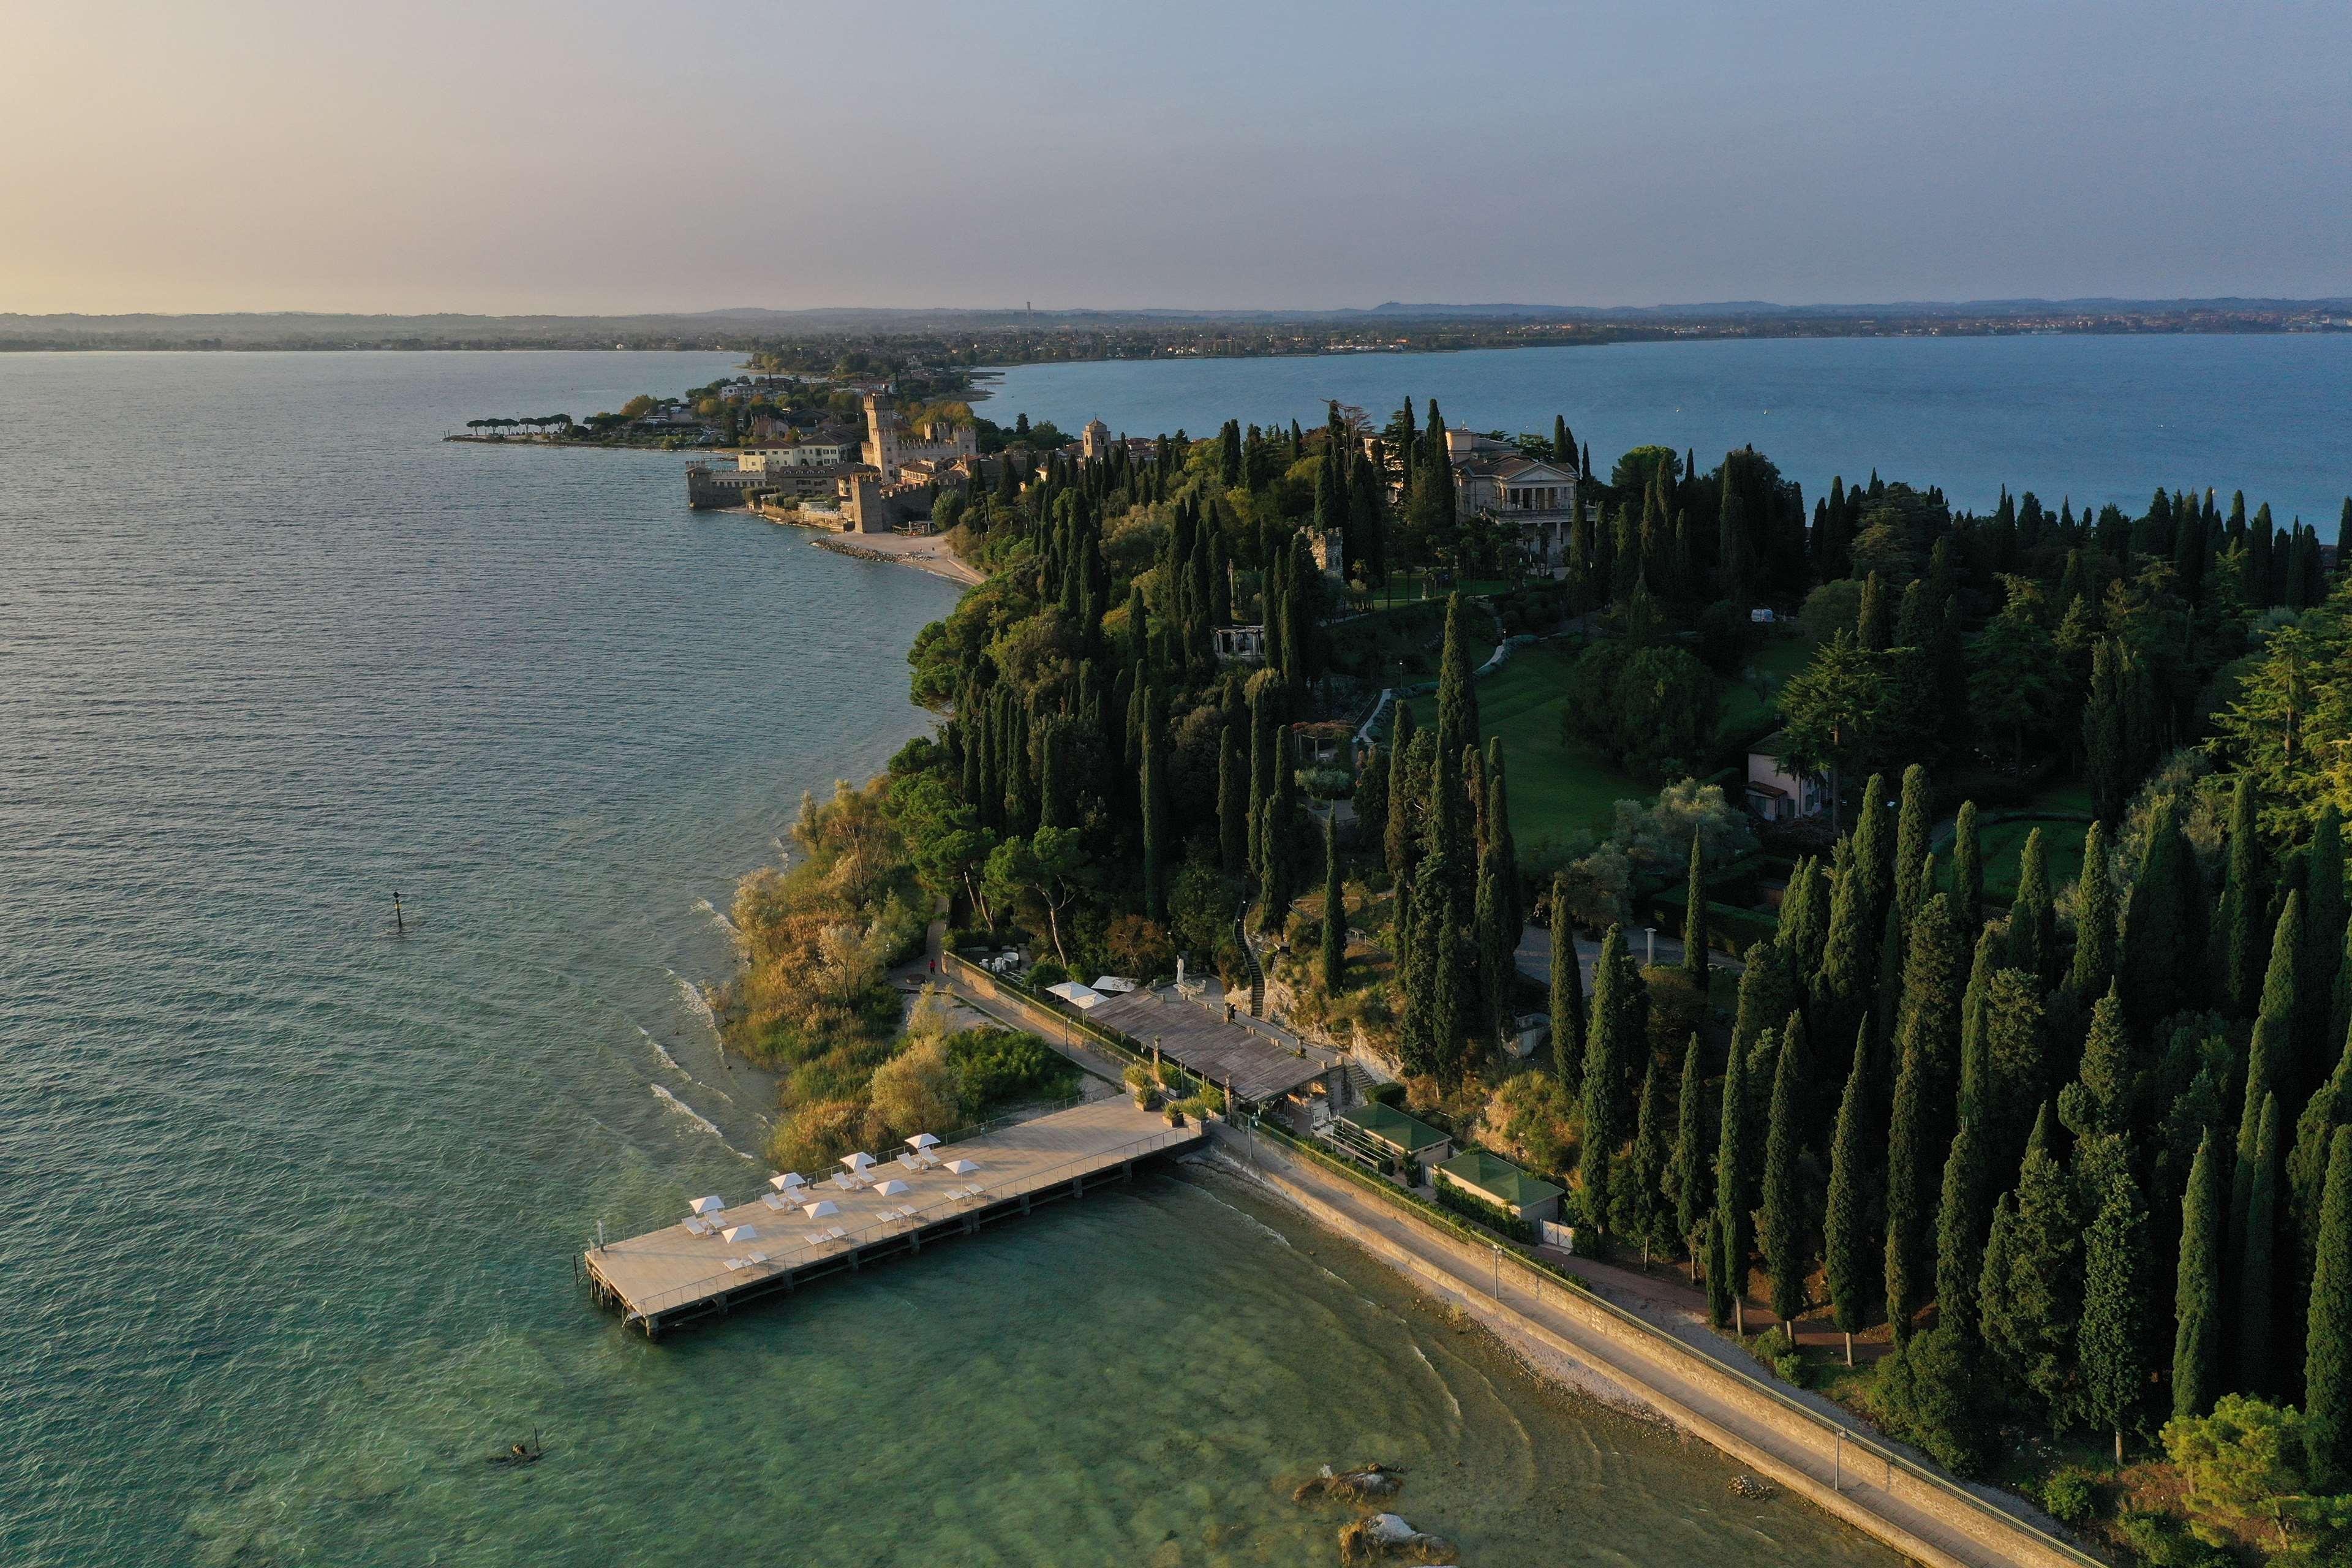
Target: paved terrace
<point>674,1272</point>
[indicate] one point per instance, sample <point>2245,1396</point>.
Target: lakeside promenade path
<point>1803,1456</point>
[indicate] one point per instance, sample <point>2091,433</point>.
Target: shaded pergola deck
<point>670,1276</point>
<point>1202,1042</point>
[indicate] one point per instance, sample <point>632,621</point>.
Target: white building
<point>1777,791</point>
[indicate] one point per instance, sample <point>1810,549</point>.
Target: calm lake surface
<point>2097,418</point>
<point>292,1202</point>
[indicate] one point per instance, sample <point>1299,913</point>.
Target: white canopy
<point>788,1181</point>
<point>739,1233</point>
<point>858,1160</point>
<point>961,1167</point>
<point>711,1204</point>
<point>1082,997</point>
<point>1113,984</point>
<point>922,1140</point>
<point>892,1188</point>
<point>819,1209</point>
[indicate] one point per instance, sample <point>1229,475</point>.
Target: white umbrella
<point>739,1233</point>
<point>788,1181</point>
<point>961,1167</point>
<point>922,1140</point>
<point>892,1188</point>
<point>711,1205</point>
<point>858,1160</point>
<point>821,1208</point>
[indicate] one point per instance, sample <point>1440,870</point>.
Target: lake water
<point>293,1201</point>
<point>2097,418</point>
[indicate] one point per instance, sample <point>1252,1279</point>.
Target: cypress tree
<point>1506,845</point>
<point>1932,991</point>
<point>1612,1045</point>
<point>1489,1005</point>
<point>1846,1229</point>
<point>2099,1099</point>
<point>1975,1060</point>
<point>2156,921</point>
<point>1849,955</point>
<point>1401,799</point>
<point>1275,855</point>
<point>1695,920</point>
<point>2111,1346</point>
<point>2032,920</point>
<point>1638,1196</point>
<point>1786,1224</point>
<point>2307,1175</point>
<point>1911,842</point>
<point>1872,863</point>
<point>2257,1233</point>
<point>1154,792</point>
<point>1567,998</point>
<point>2197,1307</point>
<point>1967,866</point>
<point>1804,918</point>
<point>2324,922</point>
<point>2017,1065</point>
<point>1689,1169</point>
<point>2237,924</point>
<point>1372,797</point>
<point>2095,932</point>
<point>1437,964</point>
<point>1767,992</point>
<point>1457,694</point>
<point>2327,1358</point>
<point>1727,1274</point>
<point>1906,1151</point>
<point>1265,738</point>
<point>2277,1010</point>
<point>2031,1305</point>
<point>1335,911</point>
<point>1962,1220</point>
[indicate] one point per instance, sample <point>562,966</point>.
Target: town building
<point>768,458</point>
<point>1493,1179</point>
<point>1777,791</point>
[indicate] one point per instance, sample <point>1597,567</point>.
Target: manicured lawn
<point>1556,789</point>
<point>1743,709</point>
<point>2004,844</point>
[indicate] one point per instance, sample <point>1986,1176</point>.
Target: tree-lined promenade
<point>2070,1151</point>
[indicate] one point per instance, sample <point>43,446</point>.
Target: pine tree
<point>2095,933</point>
<point>1846,1229</point>
<point>1335,911</point>
<point>1687,1170</point>
<point>1695,918</point>
<point>2237,924</point>
<point>2256,1235</point>
<point>2197,1309</point>
<point>1968,867</point>
<point>1612,1044</point>
<point>1787,1225</point>
<point>1911,841</point>
<point>2327,1360</point>
<point>2111,1347</point>
<point>1567,998</point>
<point>1727,1273</point>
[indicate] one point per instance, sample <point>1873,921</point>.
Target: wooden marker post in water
<point>399,925</point>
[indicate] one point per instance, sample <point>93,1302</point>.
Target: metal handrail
<point>809,1252</point>
<point>1840,1432</point>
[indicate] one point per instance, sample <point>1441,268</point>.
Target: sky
<point>595,156</point>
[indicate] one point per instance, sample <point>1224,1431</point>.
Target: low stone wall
<point>1648,1365</point>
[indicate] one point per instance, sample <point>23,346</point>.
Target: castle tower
<point>882,428</point>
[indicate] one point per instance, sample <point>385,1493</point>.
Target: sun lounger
<point>700,1226</point>
<point>774,1200</point>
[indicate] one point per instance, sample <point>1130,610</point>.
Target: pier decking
<point>670,1276</point>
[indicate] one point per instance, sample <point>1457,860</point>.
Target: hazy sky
<point>251,154</point>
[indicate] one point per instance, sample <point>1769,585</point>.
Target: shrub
<point>2070,1498</point>
<point>1390,1094</point>
<point>1777,1348</point>
<point>1045,972</point>
<point>1528,1117</point>
<point>995,1068</point>
<point>1930,1391</point>
<point>1494,1216</point>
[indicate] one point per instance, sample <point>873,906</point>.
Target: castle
<point>892,451</point>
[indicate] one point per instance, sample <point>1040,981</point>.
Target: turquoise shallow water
<point>2097,418</point>
<point>292,1202</point>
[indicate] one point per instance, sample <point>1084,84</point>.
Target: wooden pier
<point>673,1276</point>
